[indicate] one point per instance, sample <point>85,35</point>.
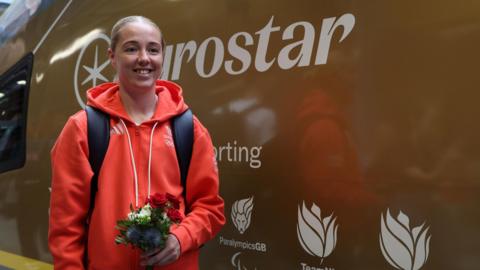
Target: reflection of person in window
<point>329,172</point>
<point>327,157</point>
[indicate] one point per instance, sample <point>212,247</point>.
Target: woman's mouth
<point>142,71</point>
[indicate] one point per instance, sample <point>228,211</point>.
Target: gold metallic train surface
<point>345,131</point>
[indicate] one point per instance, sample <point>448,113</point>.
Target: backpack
<point>98,129</point>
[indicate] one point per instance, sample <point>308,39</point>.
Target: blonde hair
<point>114,36</point>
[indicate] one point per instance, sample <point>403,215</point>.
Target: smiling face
<point>137,57</point>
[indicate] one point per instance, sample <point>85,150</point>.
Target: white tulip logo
<point>404,248</point>
<point>317,236</point>
<point>242,213</point>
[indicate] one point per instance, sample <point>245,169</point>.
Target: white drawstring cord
<point>150,157</point>
<point>133,163</point>
<point>132,157</point>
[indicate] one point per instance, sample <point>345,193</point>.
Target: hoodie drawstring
<point>132,157</point>
<point>150,157</point>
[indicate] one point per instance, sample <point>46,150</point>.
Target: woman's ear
<point>111,56</point>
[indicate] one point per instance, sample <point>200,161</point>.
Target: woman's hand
<point>164,256</point>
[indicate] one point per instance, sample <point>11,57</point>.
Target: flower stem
<point>149,267</point>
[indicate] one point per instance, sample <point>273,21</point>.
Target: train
<point>344,131</point>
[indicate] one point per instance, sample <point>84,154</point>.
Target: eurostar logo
<point>95,72</point>
<point>91,69</point>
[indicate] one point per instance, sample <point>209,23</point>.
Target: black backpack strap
<point>98,129</point>
<point>182,132</point>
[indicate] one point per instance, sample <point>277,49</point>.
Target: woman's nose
<point>143,57</point>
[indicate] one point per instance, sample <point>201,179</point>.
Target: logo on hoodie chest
<point>117,129</point>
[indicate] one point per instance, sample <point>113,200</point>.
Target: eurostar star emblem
<point>85,72</point>
<point>95,72</point>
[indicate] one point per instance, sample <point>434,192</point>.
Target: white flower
<point>403,247</point>
<point>145,212</point>
<point>132,216</point>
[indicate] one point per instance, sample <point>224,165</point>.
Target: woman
<point>140,161</point>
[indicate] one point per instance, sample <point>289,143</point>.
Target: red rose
<point>174,200</point>
<point>174,215</point>
<point>158,200</point>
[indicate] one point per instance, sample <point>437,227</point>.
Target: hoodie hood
<point>106,97</point>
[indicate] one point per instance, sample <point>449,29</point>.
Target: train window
<point>14,89</point>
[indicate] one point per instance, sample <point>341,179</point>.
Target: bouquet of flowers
<point>148,227</point>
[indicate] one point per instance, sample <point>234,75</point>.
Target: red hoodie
<point>117,187</point>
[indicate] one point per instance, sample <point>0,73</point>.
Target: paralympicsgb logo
<point>242,214</point>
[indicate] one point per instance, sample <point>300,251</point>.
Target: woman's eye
<point>130,49</point>
<point>154,50</point>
